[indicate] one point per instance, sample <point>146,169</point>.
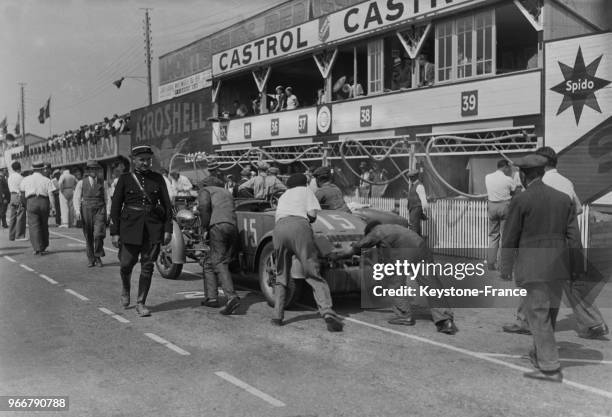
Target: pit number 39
<point>469,103</point>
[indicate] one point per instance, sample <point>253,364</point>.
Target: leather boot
<point>144,283</point>
<point>280,296</point>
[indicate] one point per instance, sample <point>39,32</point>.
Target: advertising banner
<point>185,86</point>
<point>178,125</point>
<point>578,111</point>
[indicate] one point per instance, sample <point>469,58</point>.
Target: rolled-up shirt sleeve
<point>76,199</point>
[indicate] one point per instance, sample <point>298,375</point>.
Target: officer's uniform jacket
<point>542,226</point>
<point>132,214</point>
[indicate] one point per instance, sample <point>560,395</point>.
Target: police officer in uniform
<point>141,220</point>
<point>216,207</point>
<point>328,194</point>
<point>38,191</point>
<point>417,201</point>
<point>540,230</point>
<point>90,197</point>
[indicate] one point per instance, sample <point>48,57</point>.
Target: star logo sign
<point>579,87</point>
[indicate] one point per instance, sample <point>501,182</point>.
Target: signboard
<point>104,148</point>
<point>578,108</point>
<point>173,126</point>
<point>185,86</point>
<point>196,57</point>
<point>469,103</point>
<point>324,120</point>
<point>359,20</point>
<point>288,42</point>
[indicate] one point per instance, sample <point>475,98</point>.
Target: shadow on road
<point>569,351</point>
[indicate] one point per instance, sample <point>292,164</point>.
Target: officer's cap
<point>531,161</point>
<point>93,165</point>
<point>322,172</point>
<point>142,150</point>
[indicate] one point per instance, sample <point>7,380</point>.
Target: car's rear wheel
<point>267,266</point>
<point>164,264</point>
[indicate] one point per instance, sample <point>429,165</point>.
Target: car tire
<point>266,263</point>
<point>164,264</point>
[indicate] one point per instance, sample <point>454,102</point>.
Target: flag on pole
<point>3,129</point>
<point>45,112</point>
<point>17,125</point>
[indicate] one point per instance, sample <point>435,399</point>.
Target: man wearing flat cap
<point>540,230</point>
<point>417,201</point>
<point>216,207</point>
<point>141,221</point>
<point>38,191</point>
<point>263,185</point>
<point>90,197</point>
<point>328,194</point>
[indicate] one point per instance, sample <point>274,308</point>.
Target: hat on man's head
<point>279,87</point>
<point>245,172</point>
<point>38,165</point>
<point>263,166</point>
<point>297,180</point>
<point>91,164</point>
<point>413,172</point>
<point>533,160</point>
<point>549,153</point>
<point>274,170</point>
<point>142,150</point>
<point>56,172</point>
<point>322,172</point>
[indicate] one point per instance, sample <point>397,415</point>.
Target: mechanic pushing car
<point>293,235</point>
<point>216,207</point>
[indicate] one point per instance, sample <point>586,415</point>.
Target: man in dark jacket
<point>141,220</point>
<point>329,195</point>
<point>540,230</point>
<point>5,197</point>
<point>216,207</point>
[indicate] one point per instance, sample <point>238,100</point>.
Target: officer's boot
<point>280,296</point>
<point>125,292</point>
<point>144,283</point>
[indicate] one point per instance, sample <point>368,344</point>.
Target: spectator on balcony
<point>256,105</point>
<point>321,96</point>
<point>428,71</point>
<point>355,89</point>
<point>292,100</point>
<point>279,99</point>
<point>181,184</point>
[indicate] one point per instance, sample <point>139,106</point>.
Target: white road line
<point>51,280</point>
<point>250,389</point>
<point>27,268</point>
<point>8,258</point>
<point>477,355</point>
<point>593,361</point>
<point>76,294</point>
<point>80,240</point>
<point>113,315</point>
<point>169,345</point>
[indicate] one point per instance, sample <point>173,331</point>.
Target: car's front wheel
<point>267,266</point>
<point>164,264</point>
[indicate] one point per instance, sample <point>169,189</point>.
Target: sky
<point>73,50</point>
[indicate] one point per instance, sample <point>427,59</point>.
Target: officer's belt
<point>140,208</point>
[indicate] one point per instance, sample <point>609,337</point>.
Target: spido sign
<point>579,85</point>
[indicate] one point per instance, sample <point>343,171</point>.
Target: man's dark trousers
<point>129,254</point>
<point>94,229</point>
<point>38,220</point>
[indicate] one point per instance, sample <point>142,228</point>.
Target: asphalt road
<point>63,332</point>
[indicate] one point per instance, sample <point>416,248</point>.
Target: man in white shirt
<point>292,100</point>
<point>67,182</point>
<point>38,191</point>
<point>17,216</point>
<point>181,183</point>
<point>500,188</point>
<point>293,235</point>
<point>169,186</point>
<point>91,206</point>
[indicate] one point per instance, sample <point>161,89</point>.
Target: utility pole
<point>148,50</point>
<point>23,127</point>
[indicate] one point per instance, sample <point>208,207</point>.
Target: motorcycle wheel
<point>267,264</point>
<point>164,264</point>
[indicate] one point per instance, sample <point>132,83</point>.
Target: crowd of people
<point>139,204</point>
<point>91,133</point>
